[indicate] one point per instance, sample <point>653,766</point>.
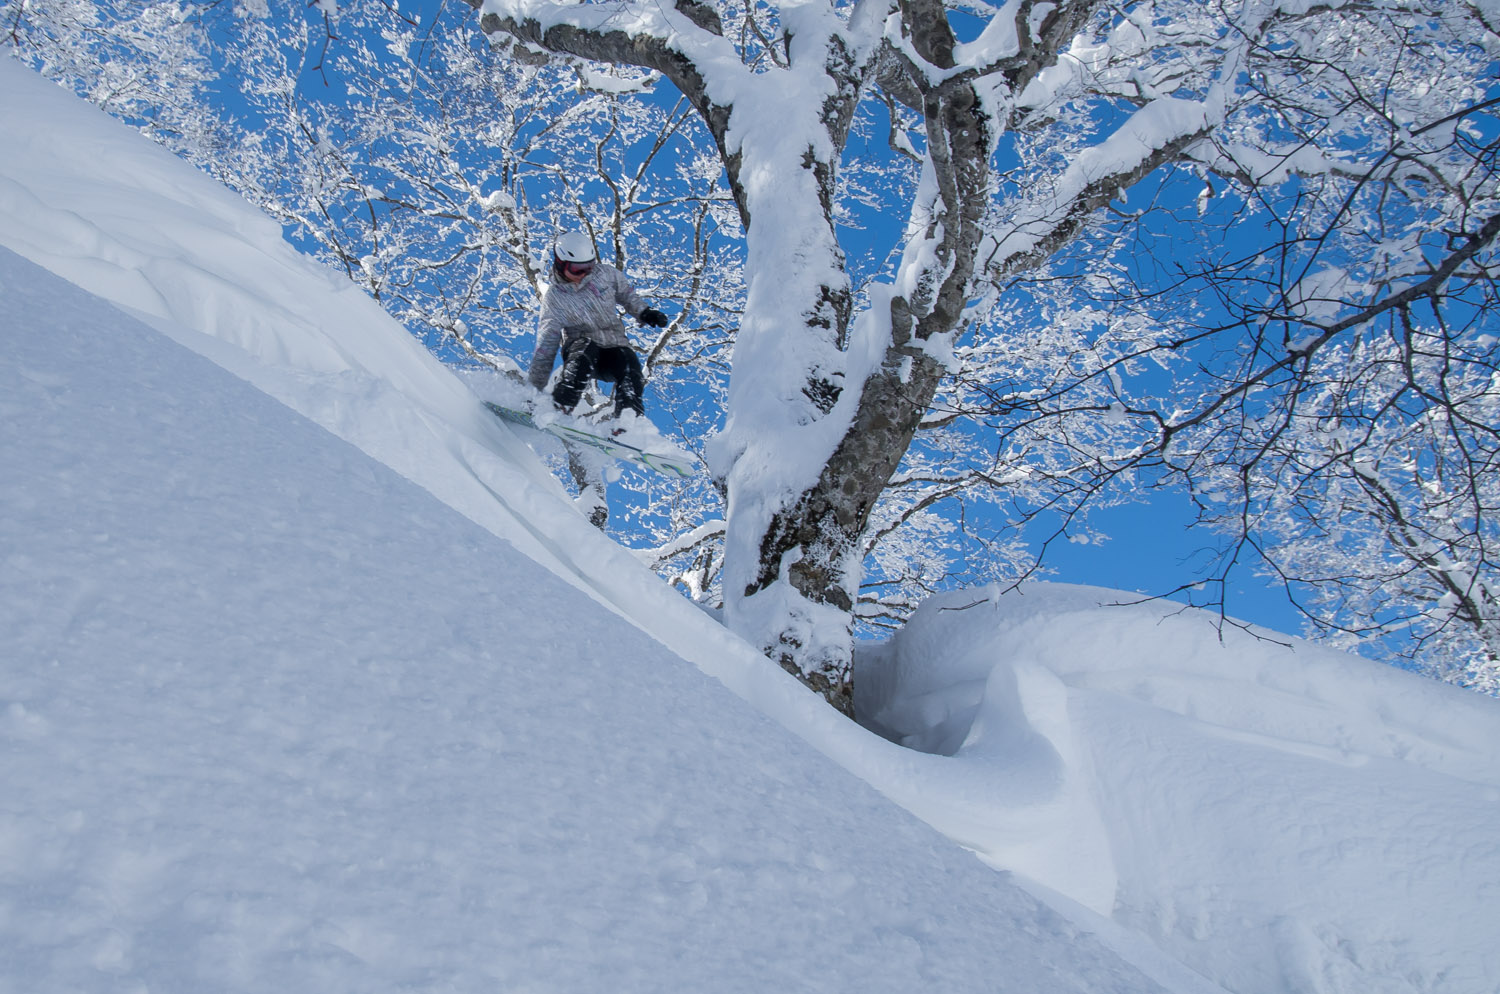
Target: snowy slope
<point>273,718</point>
<point>276,713</point>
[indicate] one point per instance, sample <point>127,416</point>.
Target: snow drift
<point>1278,816</point>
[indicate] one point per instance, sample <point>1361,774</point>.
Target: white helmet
<point>574,246</point>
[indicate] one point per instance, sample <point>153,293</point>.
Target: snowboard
<point>678,464</point>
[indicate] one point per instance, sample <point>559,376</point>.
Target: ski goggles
<point>577,270</point>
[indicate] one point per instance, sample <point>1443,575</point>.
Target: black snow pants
<point>584,360</point>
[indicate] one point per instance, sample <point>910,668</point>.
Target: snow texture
<point>312,678</point>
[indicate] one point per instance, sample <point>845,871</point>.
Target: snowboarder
<point>579,313</point>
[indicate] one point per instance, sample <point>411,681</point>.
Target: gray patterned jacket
<point>586,309</point>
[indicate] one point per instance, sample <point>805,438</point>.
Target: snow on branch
<point>1156,134</point>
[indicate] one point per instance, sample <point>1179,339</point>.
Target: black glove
<point>652,317</point>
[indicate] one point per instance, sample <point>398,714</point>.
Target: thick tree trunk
<point>815,542</point>
<point>818,541</point>
<point>807,450</point>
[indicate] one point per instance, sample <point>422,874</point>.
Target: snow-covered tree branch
<point>1322,380</point>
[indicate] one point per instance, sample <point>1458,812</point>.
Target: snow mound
<point>1279,816</point>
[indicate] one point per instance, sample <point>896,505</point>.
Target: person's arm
<point>626,296</point>
<point>636,307</point>
<point>548,340</point>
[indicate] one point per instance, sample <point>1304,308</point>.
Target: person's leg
<point>580,356</point>
<point>630,384</point>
